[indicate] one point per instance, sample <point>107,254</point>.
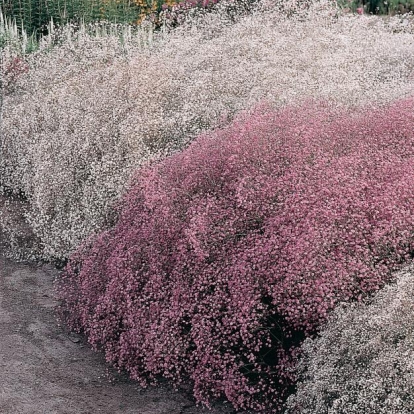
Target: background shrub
<point>176,13</point>
<point>35,15</point>
<point>363,360</point>
<point>227,255</point>
<point>379,6</point>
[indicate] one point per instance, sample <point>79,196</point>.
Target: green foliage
<point>35,15</point>
<point>379,6</point>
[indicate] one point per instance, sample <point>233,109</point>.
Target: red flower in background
<point>13,70</point>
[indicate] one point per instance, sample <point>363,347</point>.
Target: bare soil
<point>45,369</point>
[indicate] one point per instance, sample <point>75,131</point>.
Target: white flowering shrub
<point>89,111</point>
<point>363,361</point>
<point>66,142</point>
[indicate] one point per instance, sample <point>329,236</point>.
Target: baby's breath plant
<point>362,362</point>
<point>92,109</point>
<point>227,254</point>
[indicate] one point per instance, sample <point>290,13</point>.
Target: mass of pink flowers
<point>227,255</point>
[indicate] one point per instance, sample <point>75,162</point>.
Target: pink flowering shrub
<point>226,255</point>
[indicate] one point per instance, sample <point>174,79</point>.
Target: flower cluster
<point>363,360</point>
<point>226,255</point>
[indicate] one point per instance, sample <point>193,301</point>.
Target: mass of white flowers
<point>363,361</point>
<point>91,110</point>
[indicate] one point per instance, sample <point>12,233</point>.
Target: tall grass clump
<point>12,37</point>
<point>363,360</point>
<point>34,16</point>
<point>90,110</point>
<point>227,255</point>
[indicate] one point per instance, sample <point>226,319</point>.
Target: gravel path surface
<point>44,369</point>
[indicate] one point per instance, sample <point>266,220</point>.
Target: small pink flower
<point>360,10</point>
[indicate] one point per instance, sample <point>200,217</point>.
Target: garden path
<point>44,369</point>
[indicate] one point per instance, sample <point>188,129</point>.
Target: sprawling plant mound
<point>89,111</point>
<point>226,255</point>
<point>363,361</point>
